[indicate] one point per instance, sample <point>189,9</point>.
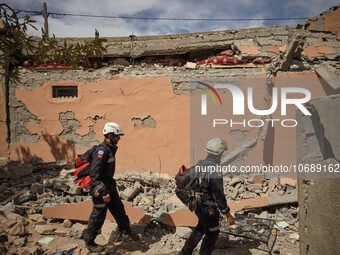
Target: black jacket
<point>212,183</point>
<point>103,167</point>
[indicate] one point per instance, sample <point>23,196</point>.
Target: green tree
<point>14,40</point>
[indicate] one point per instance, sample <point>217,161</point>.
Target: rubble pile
<point>25,228</point>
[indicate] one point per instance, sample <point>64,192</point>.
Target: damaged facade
<point>53,115</point>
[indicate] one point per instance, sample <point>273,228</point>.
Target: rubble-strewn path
<point>27,229</point>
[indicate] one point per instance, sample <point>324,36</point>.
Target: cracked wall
<point>72,125</point>
<point>147,109</point>
<point>318,142</point>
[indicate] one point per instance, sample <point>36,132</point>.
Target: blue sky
<point>67,26</point>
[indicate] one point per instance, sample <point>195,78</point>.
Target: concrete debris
<point>154,210</point>
<point>46,240</point>
<point>329,74</point>
<point>297,40</point>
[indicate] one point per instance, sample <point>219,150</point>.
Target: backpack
<point>83,165</point>
<point>189,190</point>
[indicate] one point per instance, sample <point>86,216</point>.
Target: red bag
<point>83,165</point>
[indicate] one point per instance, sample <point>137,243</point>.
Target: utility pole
<point>45,20</point>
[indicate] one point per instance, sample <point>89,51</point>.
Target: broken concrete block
<point>75,190</point>
<point>129,193</point>
<point>27,196</point>
<point>67,223</point>
<point>61,232</point>
<point>77,230</point>
<point>35,217</point>
<point>234,181</point>
<point>82,211</point>
<point>177,201</point>
<point>183,232</point>
<point>288,181</point>
<point>60,186</point>
<point>44,229</point>
<point>45,240</point>
<point>254,187</point>
<point>285,199</point>
<point>329,75</point>
<point>36,188</point>
<point>108,230</point>
<point>18,229</point>
<point>190,65</point>
<point>179,218</point>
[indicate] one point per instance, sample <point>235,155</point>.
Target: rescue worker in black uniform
<point>214,202</point>
<point>104,191</point>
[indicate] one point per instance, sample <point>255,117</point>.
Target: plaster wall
<point>156,122</point>
<point>318,142</point>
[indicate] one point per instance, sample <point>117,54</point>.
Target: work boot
<point>93,247</point>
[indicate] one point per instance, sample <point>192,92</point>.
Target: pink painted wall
<point>161,149</point>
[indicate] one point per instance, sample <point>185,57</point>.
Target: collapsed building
<point>52,114</point>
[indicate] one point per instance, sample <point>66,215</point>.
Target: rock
<point>35,217</point>
<point>147,200</point>
<point>129,193</point>
<point>75,190</point>
<point>48,183</point>
<point>58,185</point>
<point>70,247</point>
<point>20,242</point>
<point>61,232</point>
<point>76,230</point>
<point>190,65</point>
<point>44,229</point>
<point>27,196</point>
<point>18,229</point>
<point>265,189</point>
<point>36,188</point>
<point>108,230</point>
<point>183,232</point>
<point>234,181</point>
<point>67,223</point>
<point>36,250</point>
<point>263,215</point>
<point>254,187</point>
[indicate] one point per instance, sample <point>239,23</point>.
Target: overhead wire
<point>59,14</point>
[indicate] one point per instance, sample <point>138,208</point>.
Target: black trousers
<point>208,226</point>
<point>98,215</point>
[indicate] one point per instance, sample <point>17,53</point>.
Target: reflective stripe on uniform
<point>214,229</point>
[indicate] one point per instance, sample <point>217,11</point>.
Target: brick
<point>248,203</point>
<point>250,50</point>
<point>289,181</point>
<point>258,179</point>
<point>274,48</point>
<point>179,218</point>
<point>81,212</point>
<point>317,50</point>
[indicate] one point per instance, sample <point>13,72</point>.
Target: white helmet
<point>216,146</point>
<point>112,127</point>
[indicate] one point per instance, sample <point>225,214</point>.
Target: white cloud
<point>67,26</point>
